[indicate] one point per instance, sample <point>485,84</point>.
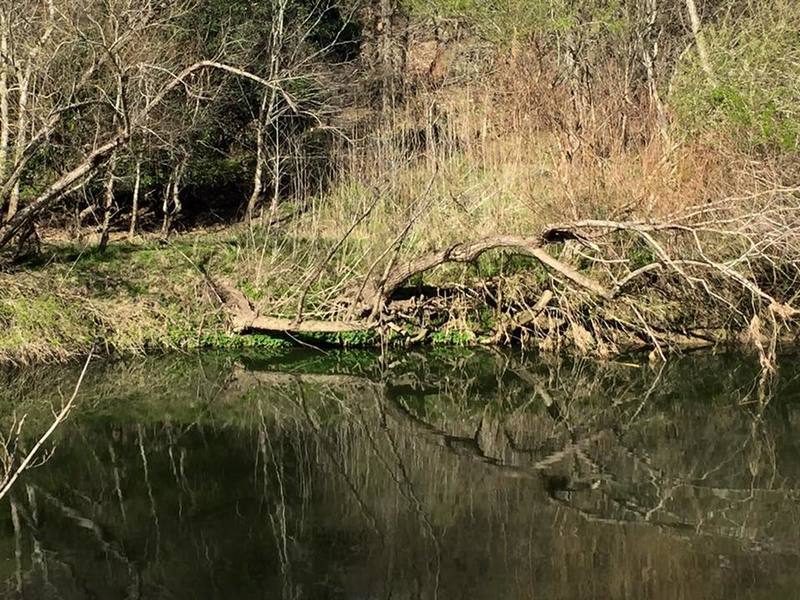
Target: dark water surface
<point>445,475</point>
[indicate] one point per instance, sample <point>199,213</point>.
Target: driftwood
<point>245,318</point>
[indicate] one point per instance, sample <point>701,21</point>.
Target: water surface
<point>448,474</point>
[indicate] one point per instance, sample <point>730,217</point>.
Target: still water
<point>441,475</point>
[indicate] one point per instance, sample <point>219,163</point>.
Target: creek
<point>442,474</point>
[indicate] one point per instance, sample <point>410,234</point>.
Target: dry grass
<point>500,157</point>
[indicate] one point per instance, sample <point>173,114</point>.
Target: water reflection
<point>448,475</point>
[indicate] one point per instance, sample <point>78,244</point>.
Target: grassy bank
<point>149,296</point>
<point>133,298</point>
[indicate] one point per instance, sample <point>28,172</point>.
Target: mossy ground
<point>134,298</point>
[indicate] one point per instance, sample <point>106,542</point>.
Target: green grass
<point>144,297</point>
<point>223,341</point>
<point>133,298</point>
<point>454,337</point>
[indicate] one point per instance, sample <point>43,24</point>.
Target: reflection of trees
<point>478,474</point>
<point>620,462</point>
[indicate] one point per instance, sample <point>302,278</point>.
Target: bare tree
<point>172,206</point>
<point>11,464</point>
<point>111,66</point>
<point>700,40</point>
<point>293,56</point>
<point>268,103</point>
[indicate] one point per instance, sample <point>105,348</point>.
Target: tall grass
<point>506,153</point>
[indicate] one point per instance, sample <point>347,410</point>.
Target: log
<point>469,251</point>
<point>245,318</point>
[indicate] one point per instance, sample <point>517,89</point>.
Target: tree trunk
<point>276,175</point>
<point>267,111</point>
<point>650,49</point>
<point>108,203</point>
<point>21,138</point>
<point>172,199</point>
<point>258,173</point>
<point>137,185</point>
<point>176,192</point>
<point>24,78</point>
<point>4,114</point>
<point>700,41</point>
<point>383,48</point>
<point>57,190</point>
<point>258,176</point>
<point>165,222</point>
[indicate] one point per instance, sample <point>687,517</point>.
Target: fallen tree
<point>737,265</point>
<point>245,318</point>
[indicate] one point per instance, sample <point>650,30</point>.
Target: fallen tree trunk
<point>383,289</point>
<point>703,256</point>
<point>245,318</point>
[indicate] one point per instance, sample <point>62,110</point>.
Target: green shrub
<point>754,96</point>
<point>501,21</point>
<point>454,337</point>
<point>221,341</point>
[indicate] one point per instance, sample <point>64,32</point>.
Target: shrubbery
<point>755,94</point>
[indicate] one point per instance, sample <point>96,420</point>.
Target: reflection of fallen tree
<point>636,472</point>
<point>245,378</point>
<point>414,459</point>
<point>568,491</point>
<point>594,471</point>
<point>470,447</point>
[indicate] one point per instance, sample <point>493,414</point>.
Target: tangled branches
<point>729,266</point>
